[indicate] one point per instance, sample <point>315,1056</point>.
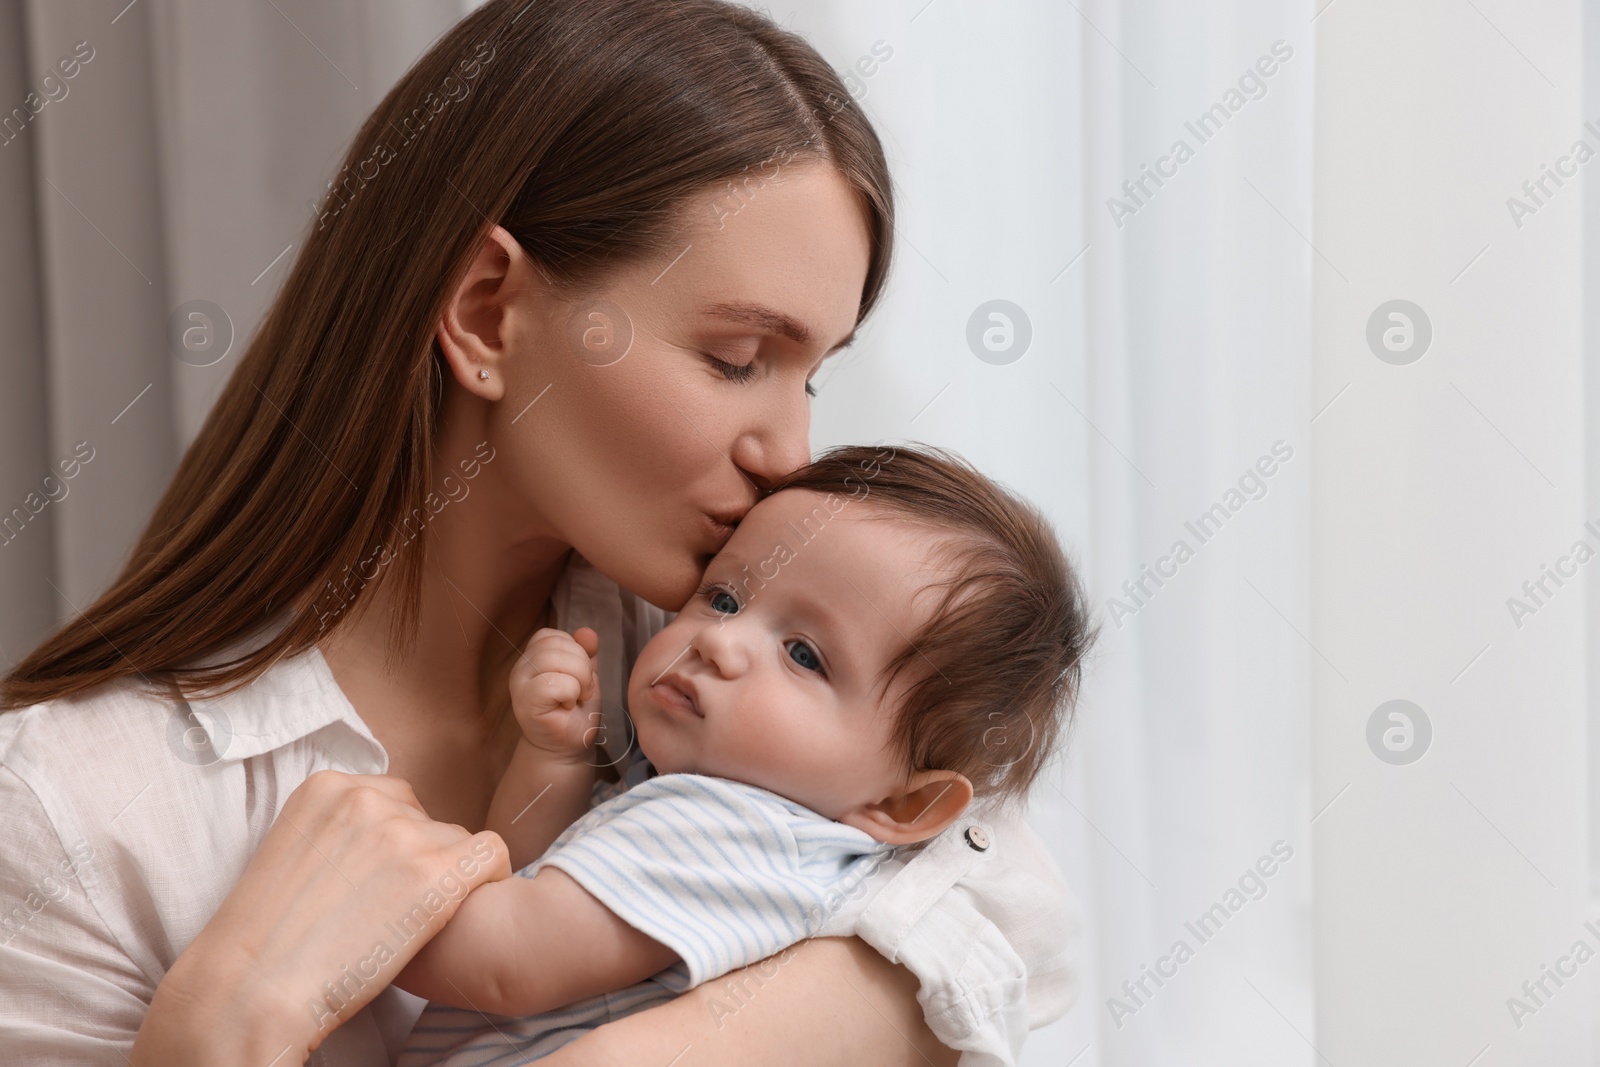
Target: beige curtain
<point>153,155</point>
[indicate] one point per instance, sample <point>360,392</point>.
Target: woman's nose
<point>779,442</point>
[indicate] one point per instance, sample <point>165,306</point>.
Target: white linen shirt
<point>128,818</point>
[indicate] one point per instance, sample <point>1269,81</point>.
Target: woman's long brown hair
<point>579,125</point>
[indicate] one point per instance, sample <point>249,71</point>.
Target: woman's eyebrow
<point>771,320</point>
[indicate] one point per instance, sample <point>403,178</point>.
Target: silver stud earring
<point>483,374</point>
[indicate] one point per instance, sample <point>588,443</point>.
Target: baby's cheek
<point>657,655</point>
<point>782,748</point>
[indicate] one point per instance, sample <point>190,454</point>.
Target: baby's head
<point>885,636</point>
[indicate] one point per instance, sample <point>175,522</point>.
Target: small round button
<point>977,838</point>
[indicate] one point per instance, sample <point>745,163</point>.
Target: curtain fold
<point>25,561</point>
<point>1169,354</point>
<point>85,170</point>
<point>174,168</point>
<point>1192,764</point>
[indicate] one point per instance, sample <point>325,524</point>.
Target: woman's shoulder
<point>96,798</point>
<point>169,795</point>
<point>92,756</point>
<point>142,730</point>
<point>88,733</point>
<point>65,763</point>
<point>982,915</point>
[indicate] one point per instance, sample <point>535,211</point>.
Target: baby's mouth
<point>674,690</point>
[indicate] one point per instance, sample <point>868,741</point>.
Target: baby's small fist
<point>555,691</point>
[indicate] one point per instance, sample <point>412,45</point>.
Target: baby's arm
<point>555,694</point>
<point>538,797</point>
<point>521,946</point>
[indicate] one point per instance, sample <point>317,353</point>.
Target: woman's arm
<point>823,1002</point>
<point>268,978</point>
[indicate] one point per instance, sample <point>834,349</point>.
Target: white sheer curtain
<point>1194,763</point>
<point>1169,355</point>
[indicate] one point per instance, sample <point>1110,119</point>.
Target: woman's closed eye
<point>743,372</point>
<point>734,372</point>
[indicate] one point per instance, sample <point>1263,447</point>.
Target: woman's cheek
<point>685,577</point>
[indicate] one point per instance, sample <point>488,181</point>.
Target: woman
<point>551,336</point>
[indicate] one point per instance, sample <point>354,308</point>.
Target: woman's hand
<point>351,880</point>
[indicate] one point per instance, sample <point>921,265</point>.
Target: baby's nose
<point>722,645</point>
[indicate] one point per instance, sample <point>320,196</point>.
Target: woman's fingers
<point>322,786</point>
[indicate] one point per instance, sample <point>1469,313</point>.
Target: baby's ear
<point>916,811</point>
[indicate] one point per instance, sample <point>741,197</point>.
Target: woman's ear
<point>928,803</point>
<point>472,329</point>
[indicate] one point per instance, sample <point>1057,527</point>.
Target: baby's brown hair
<point>997,668</point>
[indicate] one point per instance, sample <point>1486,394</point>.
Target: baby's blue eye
<point>724,603</point>
<point>804,655</point>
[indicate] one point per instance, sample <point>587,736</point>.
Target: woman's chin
<point>670,583</point>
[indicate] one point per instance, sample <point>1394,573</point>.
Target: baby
<point>884,637</point>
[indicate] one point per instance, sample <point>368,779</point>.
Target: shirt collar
<point>294,698</point>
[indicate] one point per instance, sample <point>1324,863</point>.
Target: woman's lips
<point>720,531</point>
<point>726,518</point>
